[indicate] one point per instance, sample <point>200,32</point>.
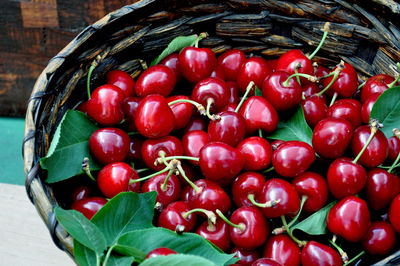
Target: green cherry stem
<point>396,132</point>
<point>309,77</point>
<point>241,226</point>
<point>260,134</point>
<point>199,38</point>
<point>303,200</point>
<point>210,102</point>
<point>333,99</point>
<point>86,168</point>
<point>248,89</point>
<point>182,157</point>
<point>268,170</point>
<point>199,106</point>
<point>342,253</point>
<point>212,218</point>
<point>267,204</point>
<point>326,31</point>
<point>108,255</point>
<point>92,67</point>
<point>164,185</point>
<point>296,71</point>
<point>336,74</point>
<point>300,243</point>
<point>374,128</point>
<point>182,172</point>
<point>353,259</point>
<point>150,176</point>
<point>361,85</point>
<point>133,133</point>
<point>142,170</point>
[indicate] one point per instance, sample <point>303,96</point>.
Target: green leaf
<point>387,110</point>
<point>258,92</point>
<point>138,254</point>
<point>177,260</point>
<point>186,243</point>
<point>70,145</point>
<point>125,212</point>
<point>81,229</point>
<point>315,224</point>
<point>83,255</point>
<point>177,44</point>
<point>119,261</point>
<point>295,128</point>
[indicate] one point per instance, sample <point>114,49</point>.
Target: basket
<point>363,33</point>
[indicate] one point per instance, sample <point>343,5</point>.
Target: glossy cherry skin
<point>310,89</point>
<point>230,63</point>
<point>109,145</point>
<point>394,148</point>
<point>282,249</point>
<point>89,206</point>
<point>259,114</point>
<point>191,174</point>
<point>376,151</point>
<point>172,61</point>
<point>394,211</point>
<point>230,107</point>
<point>230,128</point>
<point>160,252</point>
<point>376,84</point>
<point>220,162</point>
<point>253,69</point>
<point>315,253</point>
<point>234,92</point>
<point>331,137</point>
<point>280,96</point>
<point>367,107</point>
<point>105,105</point>
<point>135,146</point>
<point>151,149</point>
<point>346,110</point>
<point>218,234</point>
<point>349,218</point>
<point>114,178</point>
<point>346,84</point>
<point>246,257</point>
<point>218,73</point>
<point>381,188</point>
<point>289,61</point>
<point>276,143</point>
<point>170,194</point>
<point>313,186</point>
<point>211,88</point>
<point>380,238</point>
<point>81,192</point>
<point>266,262</point>
<point>154,118</point>
<point>182,111</point>
<point>278,189</point>
<point>158,79</point>
<point>320,71</point>
<point>171,217</point>
<point>134,187</point>
<point>122,80</point>
<point>292,158</point>
<point>345,178</point>
<point>315,110</point>
<point>196,123</point>
<point>192,142</point>
<point>196,64</point>
<point>211,197</point>
<point>129,106</point>
<point>257,153</point>
<point>245,184</point>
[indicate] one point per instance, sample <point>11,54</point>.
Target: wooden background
<point>32,32</point>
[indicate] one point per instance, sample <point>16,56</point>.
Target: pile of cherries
<point>193,127</point>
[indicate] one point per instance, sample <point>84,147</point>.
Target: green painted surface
<point>11,162</point>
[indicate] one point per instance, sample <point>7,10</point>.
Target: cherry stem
<point>164,185</point>
<point>182,172</point>
<point>199,106</point>
<point>300,243</point>
<point>327,76</point>
<point>309,77</point>
<point>161,158</point>
<point>374,128</point>
<point>210,102</point>
<point>133,133</point>
<point>356,257</point>
<point>241,226</point>
<point>342,253</point>
<point>326,31</point>
<point>92,67</point>
<point>269,170</point>
<point>333,99</point>
<point>108,255</point>
<point>336,74</point>
<point>394,165</point>
<point>260,134</point>
<point>149,176</point>
<point>361,85</point>
<point>397,78</point>
<point>248,89</point>
<point>199,38</point>
<point>212,218</point>
<point>142,170</point>
<point>182,157</point>
<point>86,168</point>
<point>267,204</point>
<point>296,70</point>
<point>303,200</point>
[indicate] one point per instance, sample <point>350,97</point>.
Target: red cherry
<point>185,193</point>
<point>331,137</point>
<point>196,123</point>
<point>134,187</point>
<point>346,110</point>
<point>211,89</point>
<point>230,107</point>
<point>234,92</point>
<point>160,252</point>
<point>135,146</point>
<point>122,80</point>
<point>81,192</point>
<point>105,105</point>
<point>266,262</point>
<point>314,109</point>
<point>154,118</point>
<point>114,178</point>
<point>182,111</point>
<point>276,143</point>
<point>220,162</point>
<point>349,218</point>
<point>192,142</point>
<point>290,60</point>
<point>151,148</point>
<point>190,173</point>
<point>292,158</point>
<point>380,239</point>
<point>218,73</point>
<point>229,128</point>
<point>376,151</point>
<point>376,84</point>
<point>311,89</point>
<point>196,64</point>
<point>367,107</point>
<point>172,217</point>
<point>381,188</point>
<point>166,195</point>
<point>313,186</point>
<point>218,234</point>
<point>83,107</point>
<point>394,211</point>
<point>246,257</point>
<point>320,71</point>
<point>230,63</point>
<point>89,206</point>
<point>158,79</point>
<point>346,84</point>
<point>283,250</point>
<point>109,145</point>
<point>129,106</point>
<point>257,153</point>
<point>245,184</point>
<point>315,253</point>
<point>172,61</point>
<point>394,148</point>
<point>253,69</point>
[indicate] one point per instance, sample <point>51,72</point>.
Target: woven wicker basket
<point>362,33</point>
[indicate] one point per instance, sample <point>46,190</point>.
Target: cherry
<point>129,106</point>
<point>253,69</point>
<point>109,145</point>
<point>185,193</point>
<point>292,158</point>
<point>230,63</point>
<point>105,105</point>
<point>282,94</point>
<point>196,64</point>
<point>376,151</point>
<point>218,73</point>
<point>182,111</point>
<point>346,83</point>
<point>151,148</point>
<point>158,79</point>
<point>165,193</point>
<point>135,146</point>
<point>320,71</point>
<point>276,143</point>
<point>346,110</point>
<point>189,172</point>
<point>114,178</point>
<point>345,178</point>
<point>83,107</point>
<point>367,107</point>
<point>220,162</point>
<point>283,250</point>
<point>311,89</point>
<point>160,252</point>
<point>246,257</point>
<point>230,107</point>
<point>315,253</point>
<point>380,238</point>
<point>89,206</point>
<point>196,123</point>
<point>81,192</point>
<point>394,211</point>
<point>172,217</point>
<point>257,153</point>
<point>313,186</point>
<point>266,262</point>
<point>192,142</point>
<point>245,184</point>
<point>394,148</point>
<point>331,137</point>
<point>230,128</point>
<point>211,92</point>
<point>154,118</point>
<point>259,114</point>
<point>122,80</point>
<point>314,109</point>
<point>381,188</point>
<point>217,233</point>
<point>376,84</point>
<point>295,60</point>
<point>172,61</point>
<point>349,218</point>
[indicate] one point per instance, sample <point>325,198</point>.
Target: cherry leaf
<point>177,260</point>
